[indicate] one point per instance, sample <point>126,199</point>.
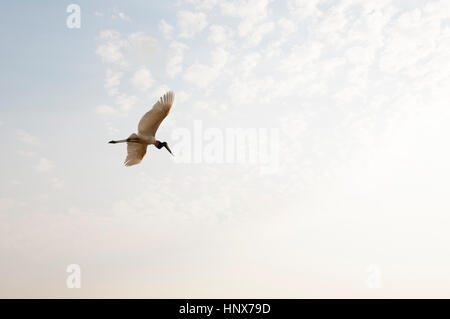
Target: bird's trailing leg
<point>128,140</point>
<point>119,141</point>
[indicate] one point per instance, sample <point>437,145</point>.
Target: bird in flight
<point>147,127</point>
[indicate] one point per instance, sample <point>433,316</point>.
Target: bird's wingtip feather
<point>168,98</point>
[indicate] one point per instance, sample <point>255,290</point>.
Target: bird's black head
<point>160,145</point>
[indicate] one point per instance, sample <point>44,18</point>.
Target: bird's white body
<point>147,127</point>
<point>147,140</point>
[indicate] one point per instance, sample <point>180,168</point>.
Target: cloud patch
<point>25,137</point>
<point>190,23</point>
<point>44,165</point>
<point>142,79</point>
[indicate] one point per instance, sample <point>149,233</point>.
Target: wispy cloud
<point>165,28</point>
<point>111,49</point>
<point>190,23</point>
<point>116,49</point>
<point>105,110</point>
<point>44,165</point>
<point>56,182</point>
<point>26,137</point>
<point>202,75</point>
<point>220,34</point>
<point>112,82</point>
<point>117,14</point>
<point>142,79</point>
<point>175,62</point>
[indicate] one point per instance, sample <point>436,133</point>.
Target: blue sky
<point>356,90</point>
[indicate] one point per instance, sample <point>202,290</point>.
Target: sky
<point>343,104</point>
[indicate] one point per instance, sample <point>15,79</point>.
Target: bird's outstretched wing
<point>136,152</point>
<point>149,123</point>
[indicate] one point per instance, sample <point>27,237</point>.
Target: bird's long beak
<point>167,148</point>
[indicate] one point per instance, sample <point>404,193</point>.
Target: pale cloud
<point>112,130</point>
<point>412,37</point>
<point>115,48</point>
<point>248,63</point>
<point>212,107</point>
<point>15,182</point>
<point>182,96</point>
<point>190,23</point>
<point>56,182</point>
<point>43,197</point>
<point>123,53</point>
<point>205,5</point>
<point>338,28</point>
<point>109,35</point>
<point>260,31</point>
<point>304,9</point>
<point>112,82</point>
<point>142,79</point>
<point>286,28</point>
<point>129,50</point>
<point>301,56</point>
<point>117,14</point>
<point>111,51</point>
<point>26,137</point>
<point>174,64</point>
<point>44,165</point>
<point>105,110</point>
<point>250,90</point>
<point>220,34</point>
<point>143,43</point>
<point>6,204</point>
<point>253,14</point>
<point>202,75</point>
<point>360,55</point>
<point>26,153</point>
<point>165,28</point>
<point>126,102</point>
